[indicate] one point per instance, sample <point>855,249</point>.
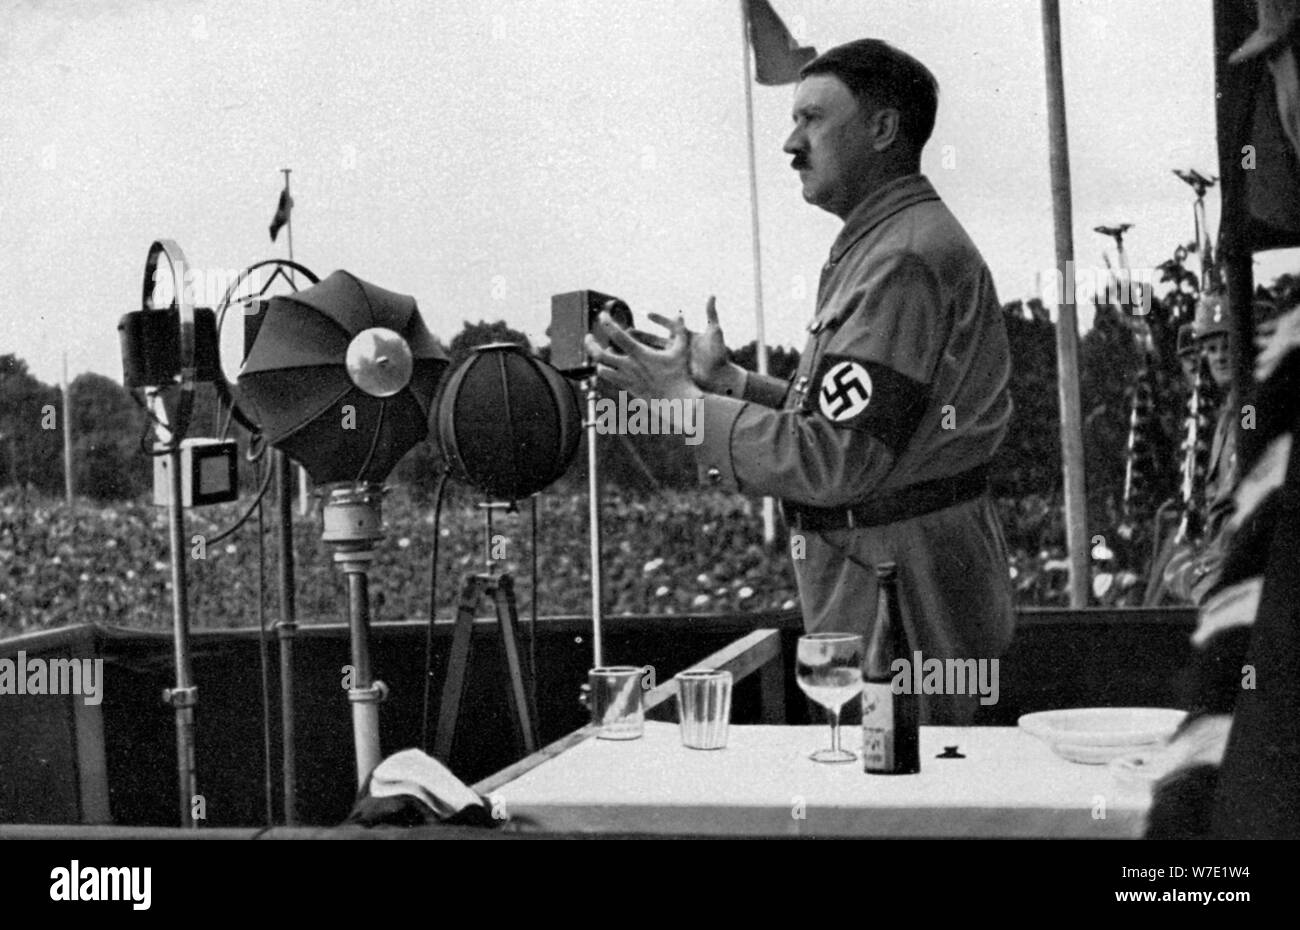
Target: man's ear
<point>884,128</point>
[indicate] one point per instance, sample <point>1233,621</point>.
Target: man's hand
<point>640,370</point>
<point>711,366</point>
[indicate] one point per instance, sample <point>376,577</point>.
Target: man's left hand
<point>640,370</point>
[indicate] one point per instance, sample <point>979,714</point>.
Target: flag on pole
<point>777,56</point>
<point>778,59</point>
<point>281,211</point>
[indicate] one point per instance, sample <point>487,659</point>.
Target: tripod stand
<point>500,587</point>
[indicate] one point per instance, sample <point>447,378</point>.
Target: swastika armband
<point>867,396</point>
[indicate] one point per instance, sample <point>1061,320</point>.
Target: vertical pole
<point>365,702</point>
<point>1067,326</point>
<point>184,696</point>
<point>285,631</point>
<point>67,434</point>
<point>304,499</point>
<point>353,526</point>
<point>288,220</point>
<point>593,509</point>
<point>769,509</point>
<point>287,628</point>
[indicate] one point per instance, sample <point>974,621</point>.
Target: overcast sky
<point>485,155</point>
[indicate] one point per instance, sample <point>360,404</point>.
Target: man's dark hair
<point>878,74</point>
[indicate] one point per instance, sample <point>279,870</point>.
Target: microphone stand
<point>185,695</point>
<point>593,508</point>
<point>353,525</point>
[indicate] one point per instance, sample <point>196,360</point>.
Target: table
<point>1009,785</point>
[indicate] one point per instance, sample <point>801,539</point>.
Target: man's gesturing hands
<point>639,369</point>
<point>690,361</point>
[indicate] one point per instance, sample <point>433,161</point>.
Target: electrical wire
<point>255,505</point>
<point>224,431</point>
<point>374,442</point>
<point>433,607</point>
<point>532,618</point>
<point>151,422</point>
<point>251,455</point>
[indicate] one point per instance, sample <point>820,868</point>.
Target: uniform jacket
<point>903,380</point>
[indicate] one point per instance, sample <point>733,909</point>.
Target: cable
<point>433,607</point>
<point>374,442</point>
<point>255,505</point>
<point>532,617</point>
<point>151,421</point>
<point>224,431</point>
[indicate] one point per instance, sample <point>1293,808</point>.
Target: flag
<point>777,56</point>
<point>1260,183</point>
<point>282,211</point>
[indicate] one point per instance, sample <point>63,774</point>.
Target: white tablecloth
<point>1009,785</point>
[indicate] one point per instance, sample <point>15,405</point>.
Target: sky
<point>483,156</point>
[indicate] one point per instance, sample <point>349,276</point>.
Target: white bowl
<point>1096,735</point>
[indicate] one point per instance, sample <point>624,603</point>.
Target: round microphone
<point>507,422</point>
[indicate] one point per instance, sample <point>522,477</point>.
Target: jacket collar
<point>897,195</point>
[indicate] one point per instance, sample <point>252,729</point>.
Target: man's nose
<point>794,143</point>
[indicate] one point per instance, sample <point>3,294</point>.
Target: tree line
<point>109,425</point>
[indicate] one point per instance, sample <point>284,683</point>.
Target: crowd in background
<point>672,552</point>
<point>678,553</point>
<point>669,546</point>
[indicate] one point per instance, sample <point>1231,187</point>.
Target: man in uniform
<point>880,445</point>
<point>1221,476</point>
<point>1194,571</point>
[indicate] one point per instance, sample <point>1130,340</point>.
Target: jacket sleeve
<point>765,390</point>
<point>867,392</point>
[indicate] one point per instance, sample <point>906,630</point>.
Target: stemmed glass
<point>828,668</point>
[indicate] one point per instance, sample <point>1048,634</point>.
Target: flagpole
<point>67,433</point>
<point>288,220</point>
<point>769,509</point>
<point>304,499</point>
<point>1067,326</point>
<point>287,628</point>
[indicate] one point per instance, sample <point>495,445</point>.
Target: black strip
<point>902,504</point>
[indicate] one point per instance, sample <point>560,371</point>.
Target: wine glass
<point>828,667</point>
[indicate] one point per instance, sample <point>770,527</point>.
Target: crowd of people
<point>676,553</point>
<point>673,552</point>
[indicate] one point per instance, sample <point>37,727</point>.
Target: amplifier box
<point>209,473</point>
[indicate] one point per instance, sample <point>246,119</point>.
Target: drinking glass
<point>616,704</point>
<point>828,667</point>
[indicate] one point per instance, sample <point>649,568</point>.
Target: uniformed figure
<point>1193,569</point>
<point>1177,541</point>
<point>879,447</point>
<point>1212,332</point>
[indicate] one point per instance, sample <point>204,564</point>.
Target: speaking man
<point>879,446</point>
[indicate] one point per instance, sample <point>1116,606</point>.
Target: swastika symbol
<point>845,391</point>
